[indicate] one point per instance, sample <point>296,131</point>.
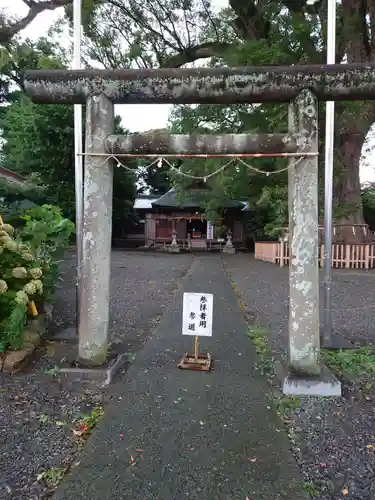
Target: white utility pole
<point>326,337</point>
<point>77,7</point>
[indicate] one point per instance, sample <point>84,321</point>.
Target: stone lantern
<point>173,247</point>
<point>228,247</point>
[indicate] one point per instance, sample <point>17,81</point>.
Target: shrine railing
<point>355,256</point>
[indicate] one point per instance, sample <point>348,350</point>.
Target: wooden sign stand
<point>198,362</point>
<point>197,321</point>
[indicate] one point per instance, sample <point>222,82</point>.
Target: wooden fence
<point>343,256</point>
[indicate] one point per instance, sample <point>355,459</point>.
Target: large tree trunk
<point>354,122</point>
<point>347,192</point>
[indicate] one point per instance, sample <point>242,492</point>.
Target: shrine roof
<point>193,198</point>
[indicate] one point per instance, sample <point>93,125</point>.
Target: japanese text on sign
<point>210,231</point>
<point>197,314</point>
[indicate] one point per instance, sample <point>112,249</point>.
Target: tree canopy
<point>173,33</point>
<point>260,32</point>
<point>39,140</point>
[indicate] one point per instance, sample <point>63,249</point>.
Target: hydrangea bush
<point>29,260</point>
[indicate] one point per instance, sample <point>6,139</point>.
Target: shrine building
<point>184,213</point>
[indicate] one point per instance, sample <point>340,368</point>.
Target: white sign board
<point>197,314</point>
<point>210,230</point>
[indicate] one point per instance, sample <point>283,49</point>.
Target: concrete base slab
<point>324,385</point>
<point>337,342</point>
<point>229,250</point>
<point>66,335</point>
<point>102,375</point>
<point>174,249</point>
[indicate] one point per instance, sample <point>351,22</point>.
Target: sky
<point>142,117</point>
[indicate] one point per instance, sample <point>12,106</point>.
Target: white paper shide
<point>197,314</point>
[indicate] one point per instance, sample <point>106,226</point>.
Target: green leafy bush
<point>368,201</point>
<point>48,234</point>
<point>20,282</point>
<point>29,267</point>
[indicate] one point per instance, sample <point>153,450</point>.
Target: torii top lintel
<point>336,82</point>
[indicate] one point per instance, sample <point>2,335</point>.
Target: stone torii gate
<point>301,86</point>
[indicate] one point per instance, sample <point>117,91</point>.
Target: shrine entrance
<point>300,86</point>
<point>197,228</point>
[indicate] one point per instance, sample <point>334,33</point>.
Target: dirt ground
<point>42,414</point>
<point>333,438</point>
<point>44,418</point>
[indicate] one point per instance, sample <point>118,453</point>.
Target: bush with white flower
<point>29,257</point>
<point>18,272</point>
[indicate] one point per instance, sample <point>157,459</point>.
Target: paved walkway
<point>172,434</point>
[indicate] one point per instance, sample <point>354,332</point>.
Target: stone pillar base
<point>325,384</point>
<point>229,249</point>
<point>174,249</point>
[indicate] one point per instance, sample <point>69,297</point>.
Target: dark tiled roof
<point>193,198</point>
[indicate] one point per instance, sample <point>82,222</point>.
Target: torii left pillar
<point>97,234</point>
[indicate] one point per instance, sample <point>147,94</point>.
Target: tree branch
<point>249,23</point>
<point>7,31</point>
<point>201,51</point>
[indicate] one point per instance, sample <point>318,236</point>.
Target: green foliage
<point>351,363</point>
<point>156,180</point>
<point>176,32</point>
<point>258,337</point>
<point>15,199</point>
<point>251,34</point>
<point>20,55</point>
<point>124,192</point>
<point>39,140</point>
<point>368,200</point>
<point>20,282</point>
<point>28,267</point>
<point>251,180</point>
<point>47,233</point>
<point>88,422</point>
<point>12,193</point>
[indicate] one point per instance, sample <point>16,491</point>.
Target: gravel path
<point>189,435</point>
<point>333,440</point>
<point>141,286</point>
<point>38,410</point>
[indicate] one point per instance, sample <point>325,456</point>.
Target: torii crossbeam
<point>302,86</point>
<point>336,82</point>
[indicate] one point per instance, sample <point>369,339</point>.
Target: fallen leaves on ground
<point>82,431</point>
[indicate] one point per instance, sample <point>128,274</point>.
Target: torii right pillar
<point>306,374</point>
